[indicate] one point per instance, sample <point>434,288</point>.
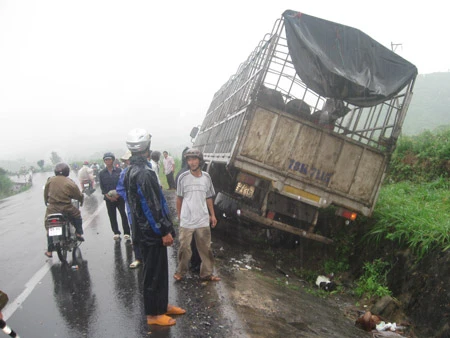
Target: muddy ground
<point>261,295</point>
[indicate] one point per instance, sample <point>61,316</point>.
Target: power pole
<point>395,45</point>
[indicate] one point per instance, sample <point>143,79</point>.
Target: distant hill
<point>17,165</point>
<point>430,105</point>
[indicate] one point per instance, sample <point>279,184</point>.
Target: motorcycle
<point>95,172</point>
<point>63,238</point>
<point>87,188</point>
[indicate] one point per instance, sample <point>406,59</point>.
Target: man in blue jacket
<point>152,229</point>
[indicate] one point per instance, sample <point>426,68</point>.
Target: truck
<point>309,121</point>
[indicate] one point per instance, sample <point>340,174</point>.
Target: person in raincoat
<point>152,229</point>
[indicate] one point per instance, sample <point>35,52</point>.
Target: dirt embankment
<point>260,294</point>
<point>420,288</point>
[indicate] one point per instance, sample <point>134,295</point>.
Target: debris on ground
<point>244,263</point>
<point>326,283</point>
<point>379,328</point>
<point>368,321</point>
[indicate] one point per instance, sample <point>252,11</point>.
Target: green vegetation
<point>55,158</point>
<point>41,164</point>
<point>422,158</point>
<point>6,184</point>
<point>414,215</point>
<point>162,177</point>
<point>373,282</point>
<point>8,187</point>
<point>413,209</point>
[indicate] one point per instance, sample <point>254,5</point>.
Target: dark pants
<point>111,207</point>
<point>170,180</point>
<point>156,279</point>
<point>196,261</point>
<point>137,252</point>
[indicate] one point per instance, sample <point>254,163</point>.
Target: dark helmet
<point>62,169</point>
<point>155,155</point>
<point>193,152</point>
<point>109,155</point>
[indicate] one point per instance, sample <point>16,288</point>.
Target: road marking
<point>9,310</point>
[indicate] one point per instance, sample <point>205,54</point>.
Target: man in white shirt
<point>169,168</point>
<point>195,210</point>
<point>154,161</point>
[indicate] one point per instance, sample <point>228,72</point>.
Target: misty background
<point>76,77</point>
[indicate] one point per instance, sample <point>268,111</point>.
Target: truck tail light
<point>346,214</point>
<point>270,215</point>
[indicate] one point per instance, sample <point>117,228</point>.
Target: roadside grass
<point>162,176</point>
<point>421,158</point>
<point>5,185</point>
<point>414,215</point>
<point>373,282</point>
<point>413,208</point>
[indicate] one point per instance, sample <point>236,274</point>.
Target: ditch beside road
<point>259,295</point>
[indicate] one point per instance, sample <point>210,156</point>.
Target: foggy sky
<point>76,76</point>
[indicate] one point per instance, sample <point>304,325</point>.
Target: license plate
<point>245,189</point>
<point>55,231</point>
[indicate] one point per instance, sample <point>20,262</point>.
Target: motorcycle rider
<point>86,175</point>
<point>95,170</point>
<point>58,194</point>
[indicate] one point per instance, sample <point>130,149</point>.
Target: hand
<point>112,199</point>
<point>167,240</point>
<point>213,221</point>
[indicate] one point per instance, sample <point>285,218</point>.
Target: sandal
<point>161,320</point>
<point>175,310</point>
<point>135,264</point>
<point>177,277</point>
<point>48,254</point>
<point>211,278</point>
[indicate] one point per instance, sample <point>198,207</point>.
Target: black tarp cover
<point>343,63</point>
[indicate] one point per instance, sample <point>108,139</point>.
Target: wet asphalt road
<point>102,298</point>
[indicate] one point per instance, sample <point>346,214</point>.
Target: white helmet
<point>138,140</point>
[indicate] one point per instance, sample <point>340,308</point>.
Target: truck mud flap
<point>284,227</point>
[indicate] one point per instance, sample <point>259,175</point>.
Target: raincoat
<point>150,222</point>
<point>149,210</point>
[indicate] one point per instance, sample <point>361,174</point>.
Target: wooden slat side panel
<point>346,166</point>
<point>282,143</point>
<point>304,153</point>
<point>258,136</point>
<point>367,175</point>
